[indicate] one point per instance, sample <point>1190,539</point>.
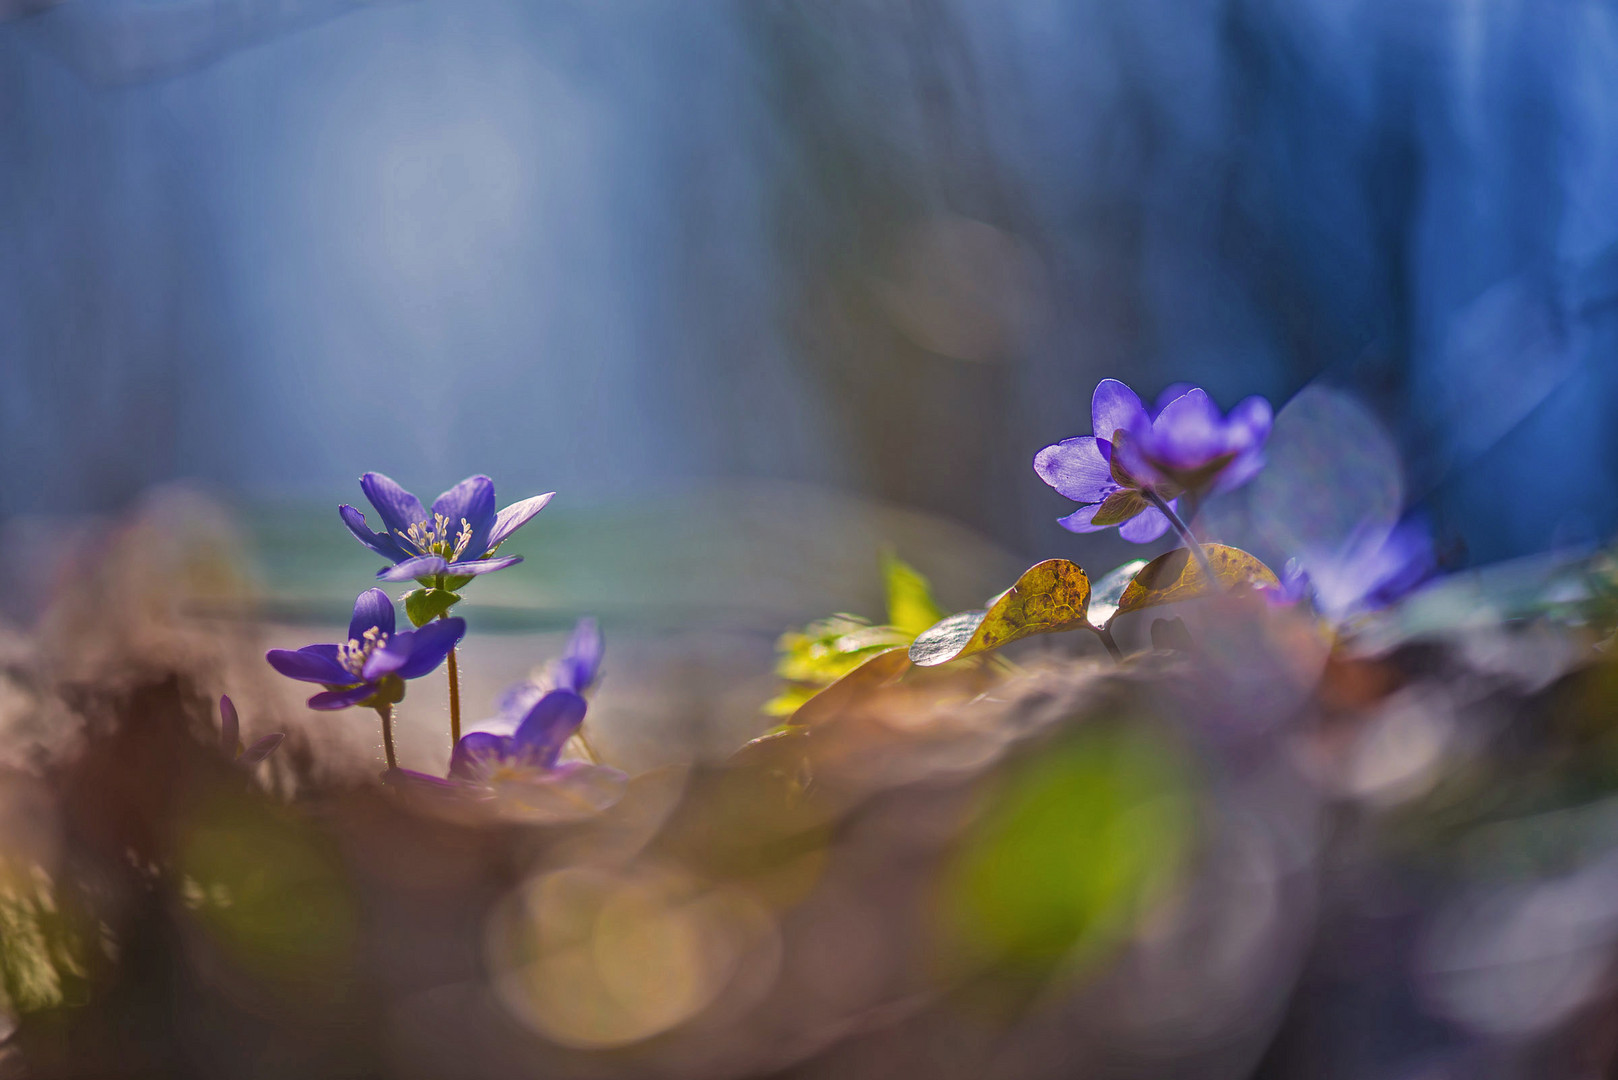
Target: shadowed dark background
<point>888,248</point>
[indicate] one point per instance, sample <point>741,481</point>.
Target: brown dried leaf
<point>1177,576</point>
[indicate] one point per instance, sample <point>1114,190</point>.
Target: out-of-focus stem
<point>454,697</point>
<point>1105,634</point>
<point>1185,532</point>
<point>386,713</point>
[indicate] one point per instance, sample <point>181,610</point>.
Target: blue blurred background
<point>631,249</point>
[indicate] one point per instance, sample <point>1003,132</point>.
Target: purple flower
<point>371,667</point>
<point>518,763</point>
<point>522,772</point>
<point>1373,569</point>
<point>578,669</point>
<point>482,757</point>
<point>1182,445</point>
<point>230,737</point>
<point>455,542</point>
<point>1188,446</point>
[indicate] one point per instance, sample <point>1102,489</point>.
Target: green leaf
<point>911,607</point>
<point>1072,846</point>
<point>1110,589</point>
<point>826,650</point>
<point>1178,576</point>
<point>425,605</point>
<point>1050,596</point>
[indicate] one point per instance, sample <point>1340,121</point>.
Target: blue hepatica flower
<point>1184,445</point>
<point>455,542</point>
<point>578,669</point>
<point>523,772</point>
<point>371,667</point>
<point>516,761</point>
<point>1374,568</point>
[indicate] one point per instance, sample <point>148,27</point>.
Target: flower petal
<point>230,726</point>
<point>549,724</point>
<point>312,663</point>
<point>1114,406</point>
<point>380,543</point>
<point>262,749</point>
<point>473,749</point>
<point>422,781</point>
<point>1145,527</point>
<point>1077,469</point>
<point>1255,416</point>
<point>373,610</point>
<point>482,566</point>
<point>515,702</point>
<point>580,664</point>
<point>471,501</point>
<point>1186,434</point>
<point>422,566</point>
<point>428,646</point>
<point>1080,520</point>
<point>341,699</point>
<point>398,508</point>
<point>1170,393</point>
<point>515,517</point>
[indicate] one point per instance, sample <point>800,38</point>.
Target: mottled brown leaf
<point>1050,596</point>
<point>1178,576</point>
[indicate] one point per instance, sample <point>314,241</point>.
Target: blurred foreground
<point>1253,848</point>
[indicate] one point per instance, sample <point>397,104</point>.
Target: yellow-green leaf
<point>911,607</point>
<point>1177,576</point>
<point>1050,596</point>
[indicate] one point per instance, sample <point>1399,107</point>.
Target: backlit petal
<point>429,646</point>
<point>1144,527</point>
<point>423,566</point>
<point>380,543</point>
<point>1114,406</point>
<point>372,611</point>
<point>472,501</point>
<point>398,508</point>
<point>549,724</point>
<point>1077,469</point>
<point>515,517</point>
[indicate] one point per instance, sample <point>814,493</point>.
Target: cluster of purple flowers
<point>1141,470</point>
<point>441,552</point>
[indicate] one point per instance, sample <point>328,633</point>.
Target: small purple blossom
<point>1183,445</point>
<point>579,666</point>
<point>516,760</point>
<point>456,541</point>
<point>1372,570</point>
<point>371,667</point>
<point>578,669</point>
<point>230,737</point>
<point>483,756</point>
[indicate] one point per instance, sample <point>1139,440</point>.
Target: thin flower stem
<point>589,751</point>
<point>386,713</point>
<point>1184,530</point>
<point>1105,634</point>
<point>454,697</point>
